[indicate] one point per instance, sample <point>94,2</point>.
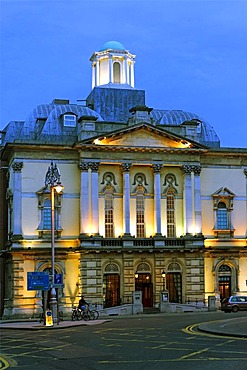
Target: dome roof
<point>177,117</point>
<point>114,45</point>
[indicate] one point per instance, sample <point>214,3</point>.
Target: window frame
<point>222,219</point>
<point>44,195</point>
<point>66,117</point>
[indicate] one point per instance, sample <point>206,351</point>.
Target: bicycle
<point>84,314</point>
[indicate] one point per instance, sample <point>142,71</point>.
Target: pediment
<point>144,135</point>
<point>223,192</point>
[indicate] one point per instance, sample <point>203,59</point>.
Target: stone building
<point>145,191</point>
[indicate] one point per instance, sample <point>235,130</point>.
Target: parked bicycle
<point>84,314</point>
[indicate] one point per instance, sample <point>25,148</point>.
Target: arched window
<point>116,73</point>
<point>170,191</point>
<point>44,213</point>
<point>222,219</point>
<point>47,214</point>
<point>223,206</point>
<point>140,219</point>
<point>109,224</point>
<point>170,213</point>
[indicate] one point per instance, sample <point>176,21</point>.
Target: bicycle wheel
<point>96,314</point>
<point>85,316</point>
<point>91,315</point>
<point>74,316</point>
<point>80,315</point>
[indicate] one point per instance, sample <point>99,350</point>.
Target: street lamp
<point>52,180</point>
<point>163,274</point>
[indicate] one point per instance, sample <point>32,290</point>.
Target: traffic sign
<point>38,281</point>
<point>58,279</point>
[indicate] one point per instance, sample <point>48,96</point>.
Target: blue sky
<point>190,55</point>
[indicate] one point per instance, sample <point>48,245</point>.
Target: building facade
<point>146,191</point>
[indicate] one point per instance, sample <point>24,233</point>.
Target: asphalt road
<point>170,341</point>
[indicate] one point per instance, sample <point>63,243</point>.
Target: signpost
<point>38,281</point>
<point>41,281</point>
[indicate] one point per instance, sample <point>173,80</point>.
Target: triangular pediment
<point>144,135</point>
<point>223,192</point>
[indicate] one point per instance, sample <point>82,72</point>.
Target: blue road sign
<point>38,281</point>
<point>58,279</point>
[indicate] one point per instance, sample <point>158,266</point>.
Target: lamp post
<point>163,274</point>
<point>52,180</point>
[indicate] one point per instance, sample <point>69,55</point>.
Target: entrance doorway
<point>225,281</point>
<point>174,286</point>
<point>144,284</point>
<point>224,286</point>
<point>112,290</point>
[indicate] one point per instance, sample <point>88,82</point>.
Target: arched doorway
<point>225,281</point>
<point>174,282</point>
<point>143,283</point>
<point>111,286</point>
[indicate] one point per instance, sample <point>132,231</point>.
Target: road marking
<point>193,354</point>
<point>190,330</point>
<point>6,362</point>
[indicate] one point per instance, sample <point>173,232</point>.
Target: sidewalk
<point>236,327</point>
<point>36,325</point>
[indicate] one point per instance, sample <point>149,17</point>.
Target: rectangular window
<point>222,222</point>
<point>47,219</point>
<point>69,120</point>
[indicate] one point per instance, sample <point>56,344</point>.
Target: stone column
<point>188,199</point>
<point>84,199</point>
<point>110,69</point>
<point>93,75</point>
<point>126,197</point>
<point>97,73</point>
<point>95,197</point>
<point>132,82</point>
<point>17,194</point>
<point>157,198</point>
<point>198,206</point>
<point>126,80</point>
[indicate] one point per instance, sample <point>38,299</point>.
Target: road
<point>156,342</point>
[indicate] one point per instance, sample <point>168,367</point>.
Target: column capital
<point>187,169</point>
<point>94,166</point>
<point>83,166</point>
<point>157,167</point>
<point>17,166</point>
<point>197,170</point>
<point>126,167</point>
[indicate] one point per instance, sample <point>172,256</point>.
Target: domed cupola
<point>112,65</point>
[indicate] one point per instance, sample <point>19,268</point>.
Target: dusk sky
<point>190,55</point>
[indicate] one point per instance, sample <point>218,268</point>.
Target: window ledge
<point>224,233</point>
<point>46,234</point>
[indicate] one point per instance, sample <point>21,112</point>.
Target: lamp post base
<point>53,305</point>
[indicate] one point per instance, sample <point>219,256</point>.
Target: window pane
<point>47,219</point>
<point>170,215</point>
<point>109,229</point>
<point>222,223</point>
<point>140,228</point>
